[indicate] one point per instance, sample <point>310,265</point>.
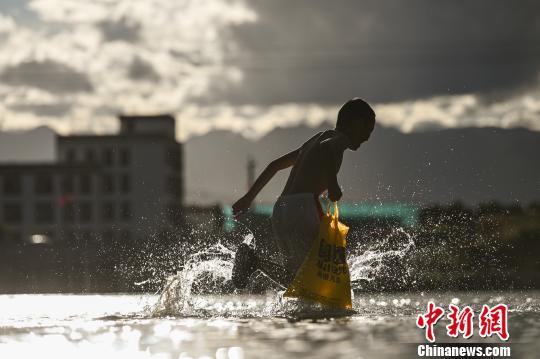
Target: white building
<point>118,187</point>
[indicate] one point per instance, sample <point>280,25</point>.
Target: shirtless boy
<point>297,212</point>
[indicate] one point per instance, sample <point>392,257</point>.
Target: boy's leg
<point>246,262</point>
<point>276,272</point>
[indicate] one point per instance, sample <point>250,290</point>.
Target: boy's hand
<point>334,194</point>
<point>241,206</point>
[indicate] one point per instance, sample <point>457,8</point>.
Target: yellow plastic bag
<point>324,274</point>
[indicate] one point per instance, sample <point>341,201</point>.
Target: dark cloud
<point>321,51</point>
<point>51,110</point>
<point>120,30</point>
<point>47,75</point>
<point>142,70</point>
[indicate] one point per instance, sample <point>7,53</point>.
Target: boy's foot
<point>245,263</point>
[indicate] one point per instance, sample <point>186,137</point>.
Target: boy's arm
<point>332,152</point>
<point>278,164</point>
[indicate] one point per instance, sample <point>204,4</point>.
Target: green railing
<point>406,213</point>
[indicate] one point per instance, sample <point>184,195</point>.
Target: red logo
<point>491,321</point>
<point>494,321</point>
<point>460,321</point>
<point>429,320</point>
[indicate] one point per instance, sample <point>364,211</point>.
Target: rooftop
<point>46,166</point>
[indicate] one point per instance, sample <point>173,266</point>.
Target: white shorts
<point>295,221</point>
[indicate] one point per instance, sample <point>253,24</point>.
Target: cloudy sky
<point>252,65</point>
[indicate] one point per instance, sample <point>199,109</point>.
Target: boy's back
<point>315,161</point>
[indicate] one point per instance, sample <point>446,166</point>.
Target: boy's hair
<point>355,110</point>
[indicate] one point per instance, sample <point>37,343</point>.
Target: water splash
<point>380,260</point>
<point>209,270</point>
<point>198,288</point>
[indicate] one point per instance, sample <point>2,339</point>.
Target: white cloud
<point>519,110</point>
<point>256,121</point>
<point>181,41</point>
<point>7,24</point>
<point>444,112</point>
<point>185,43</point>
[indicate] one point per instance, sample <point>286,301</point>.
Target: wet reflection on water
<point>239,327</point>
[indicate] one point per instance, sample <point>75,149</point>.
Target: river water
<point>242,326</point>
<point>180,322</point>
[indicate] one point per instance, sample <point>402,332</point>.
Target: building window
<point>70,156</point>
<point>130,126</point>
<point>85,182</point>
<point>67,184</point>
<point>125,157</point>
<point>44,212</point>
<point>108,211</point>
<point>174,157</point>
<point>126,211</point>
<point>108,157</point>
<point>85,211</point>
<point>12,213</point>
<point>68,212</point>
<point>89,156</point>
<point>44,184</point>
<point>107,183</point>
<point>125,183</point>
<point>12,184</point>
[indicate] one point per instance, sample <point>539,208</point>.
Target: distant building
<point>122,186</point>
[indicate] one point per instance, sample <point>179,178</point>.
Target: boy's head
<point>356,119</point>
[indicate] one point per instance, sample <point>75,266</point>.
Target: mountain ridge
<point>467,164</point>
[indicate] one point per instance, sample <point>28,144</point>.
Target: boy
<point>297,212</point>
